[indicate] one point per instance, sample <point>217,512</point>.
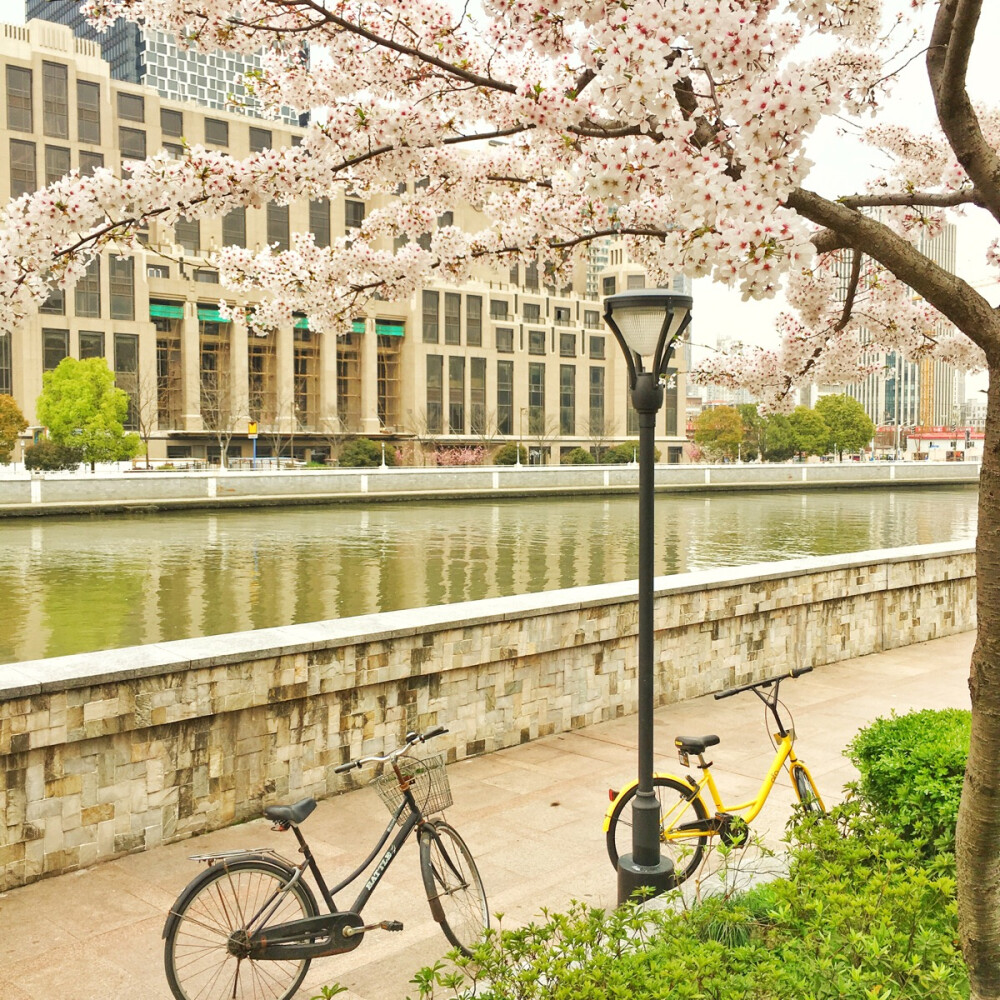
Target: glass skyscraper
<point>153,58</point>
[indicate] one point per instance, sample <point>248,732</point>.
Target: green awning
<point>301,322</point>
<point>166,310</point>
<point>357,326</point>
<point>390,327</point>
<point>210,314</point>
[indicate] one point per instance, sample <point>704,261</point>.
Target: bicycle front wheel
<point>677,808</point>
<point>805,789</point>
<point>454,888</point>
<point>205,932</point>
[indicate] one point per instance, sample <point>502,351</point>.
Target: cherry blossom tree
<point>680,127</point>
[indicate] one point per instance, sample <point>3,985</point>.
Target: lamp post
<point>647,324</point>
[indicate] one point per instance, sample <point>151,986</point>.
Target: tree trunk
<point>977,855</point>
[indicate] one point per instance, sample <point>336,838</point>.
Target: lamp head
<point>647,323</point>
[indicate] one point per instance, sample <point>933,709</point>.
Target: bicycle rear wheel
<point>454,888</point>
<point>677,808</point>
<point>805,789</point>
<point>202,947</point>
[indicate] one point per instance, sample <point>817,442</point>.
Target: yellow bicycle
<point>685,823</point>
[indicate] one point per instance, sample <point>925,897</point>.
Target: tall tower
<point>153,58</point>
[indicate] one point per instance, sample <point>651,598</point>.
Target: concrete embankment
<point>83,493</point>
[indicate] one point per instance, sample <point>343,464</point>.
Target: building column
<point>191,419</point>
<point>369,380</point>
<point>239,376</point>
<point>284,360</point>
<point>328,413</point>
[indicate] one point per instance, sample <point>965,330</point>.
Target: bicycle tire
<point>676,807</point>
<point>805,789</point>
<point>454,889</point>
<point>217,903</point>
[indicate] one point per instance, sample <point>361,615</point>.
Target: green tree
<point>779,438</point>
<point>47,456</point>
<point>12,422</point>
<point>754,431</point>
<point>507,454</point>
<point>82,408</point>
<point>363,453</point>
<point>720,432</point>
<point>851,429</point>
<point>578,456</point>
<point>809,430</point>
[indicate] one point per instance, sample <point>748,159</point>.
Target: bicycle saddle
<point>695,744</point>
<point>291,814</point>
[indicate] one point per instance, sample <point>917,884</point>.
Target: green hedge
<point>862,914</point>
<point>912,768</point>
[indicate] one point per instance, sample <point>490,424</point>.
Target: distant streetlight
<point>647,324</point>
<point>520,433</point>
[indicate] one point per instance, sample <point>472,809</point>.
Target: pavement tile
<point>96,933</point>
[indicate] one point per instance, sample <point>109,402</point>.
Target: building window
<point>591,319</point>
<point>234,228</point>
<point>456,395</point>
<point>173,150</point>
<point>446,219</point>
<point>206,276</point>
<point>536,341</point>
<point>515,273</point>
<point>88,291</point>
<point>567,345</point>
<point>531,277</point>
<point>452,318</point>
<point>634,281</point>
<point>277,225</point>
<point>132,107</point>
<point>88,112</point>
<point>474,320</point>
<point>127,374</point>
<point>187,232</point>
<point>505,397</point>
<point>354,214</point>
<point>477,395</point>
<point>670,403</point>
<point>6,370</point>
<point>349,381</point>
<point>132,143</point>
<point>435,393</point>
<point>430,317</point>
<point>260,139</point>
<point>532,312</point>
<point>262,378</point>
<point>505,339</point>
<point>536,397</point>
<point>57,164</point>
<point>305,361</point>
<point>55,100</point>
<point>157,271</point>
<point>597,427</point>
<point>388,365</point>
<point>498,309</point>
<point>597,348</point>
<point>23,177</point>
<point>216,132</point>
<point>91,344</point>
<point>55,347</point>
<point>55,304</point>
<point>19,116</point>
<point>567,399</point>
<point>319,221</point>
<point>607,286</point>
<point>121,276</point>
<point>171,122</point>
<point>562,316</point>
<point>89,162</point>
<point>216,408</point>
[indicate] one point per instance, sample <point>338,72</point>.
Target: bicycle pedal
<point>391,925</point>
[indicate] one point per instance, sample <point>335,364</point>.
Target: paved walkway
<point>532,816</point>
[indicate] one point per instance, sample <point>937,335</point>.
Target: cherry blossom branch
<point>947,65</point>
<point>852,289</point>
<point>949,199</point>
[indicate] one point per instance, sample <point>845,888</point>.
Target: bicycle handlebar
<point>794,672</point>
<point>411,738</point>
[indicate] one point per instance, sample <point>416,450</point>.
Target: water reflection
<point>79,584</point>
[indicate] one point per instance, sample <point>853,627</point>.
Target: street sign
<point>252,430</point>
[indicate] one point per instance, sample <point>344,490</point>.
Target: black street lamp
<point>647,324</point>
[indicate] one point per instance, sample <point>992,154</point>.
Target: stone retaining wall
<point>62,493</point>
<point>106,753</point>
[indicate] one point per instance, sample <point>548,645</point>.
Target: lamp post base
<point>656,878</point>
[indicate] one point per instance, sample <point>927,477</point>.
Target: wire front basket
<point>428,783</point>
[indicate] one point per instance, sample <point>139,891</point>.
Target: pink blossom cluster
<point>679,126</point>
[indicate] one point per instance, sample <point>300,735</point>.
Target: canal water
<point>76,584</point>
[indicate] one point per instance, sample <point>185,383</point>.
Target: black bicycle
<point>248,926</point>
